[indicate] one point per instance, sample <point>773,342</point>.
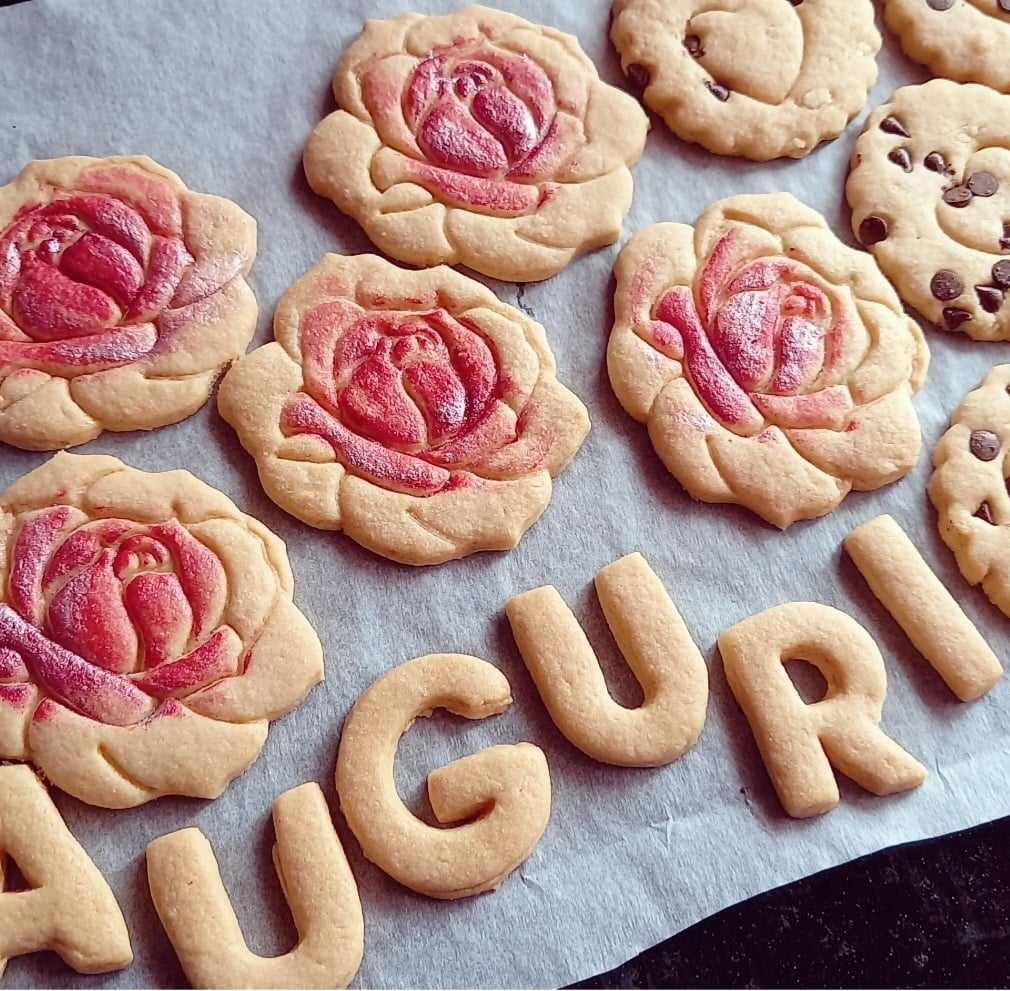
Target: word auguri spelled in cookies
<point>495,805</point>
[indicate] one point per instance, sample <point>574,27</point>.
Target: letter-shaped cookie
<point>923,608</point>
<point>69,907</point>
<point>658,649</point>
<point>504,791</point>
<point>800,742</point>
<point>317,882</point>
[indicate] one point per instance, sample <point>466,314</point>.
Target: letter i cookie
<point>923,608</point>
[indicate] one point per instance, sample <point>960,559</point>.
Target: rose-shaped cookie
<point>122,298</point>
<point>774,366</point>
<point>480,139</point>
<point>147,632</point>
<point>413,410</point>
<point>970,487</point>
<point>759,78</point>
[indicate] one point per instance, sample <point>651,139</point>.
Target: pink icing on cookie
<point>756,339</point>
<point>109,617</point>
<point>404,399</point>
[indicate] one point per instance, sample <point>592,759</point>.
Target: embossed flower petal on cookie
<point>773,365</point>
<point>122,297</point>
<point>499,798</point>
<point>147,633</point>
<point>970,486</point>
<point>758,78</point>
<point>412,410</point>
<point>480,139</point>
<point>966,41</point>
<point>946,215</point>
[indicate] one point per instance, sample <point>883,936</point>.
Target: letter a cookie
<point>70,908</point>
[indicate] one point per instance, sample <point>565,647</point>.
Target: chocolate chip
<point>900,156</point>
<point>796,3</point>
<point>946,285</point>
<point>984,444</point>
<point>872,230</point>
<point>990,298</point>
<point>957,196</point>
<point>983,184</point>
<point>719,91</point>
<point>939,4</point>
<point>1004,241</point>
<point>1003,5</point>
<point>639,75</point>
<point>935,162</point>
<point>954,317</point>
<point>693,45</point>
<point>894,126</point>
<point>984,513</point>
<point>1001,270</point>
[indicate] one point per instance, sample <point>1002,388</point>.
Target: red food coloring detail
<point>482,118</point>
<point>500,197</point>
<point>85,277</point>
<point>757,338</point>
<point>400,397</point>
<point>17,696</point>
<point>216,658</point>
<point>110,615</point>
<point>90,690</point>
<point>36,539</point>
<point>87,615</point>
<point>12,667</point>
<point>159,609</point>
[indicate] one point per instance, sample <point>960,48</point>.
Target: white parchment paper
<point>226,93</point>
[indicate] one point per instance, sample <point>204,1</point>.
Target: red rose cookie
<point>773,364</point>
<point>477,139</point>
<point>122,298</point>
<point>147,632</point>
<point>413,410</point>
